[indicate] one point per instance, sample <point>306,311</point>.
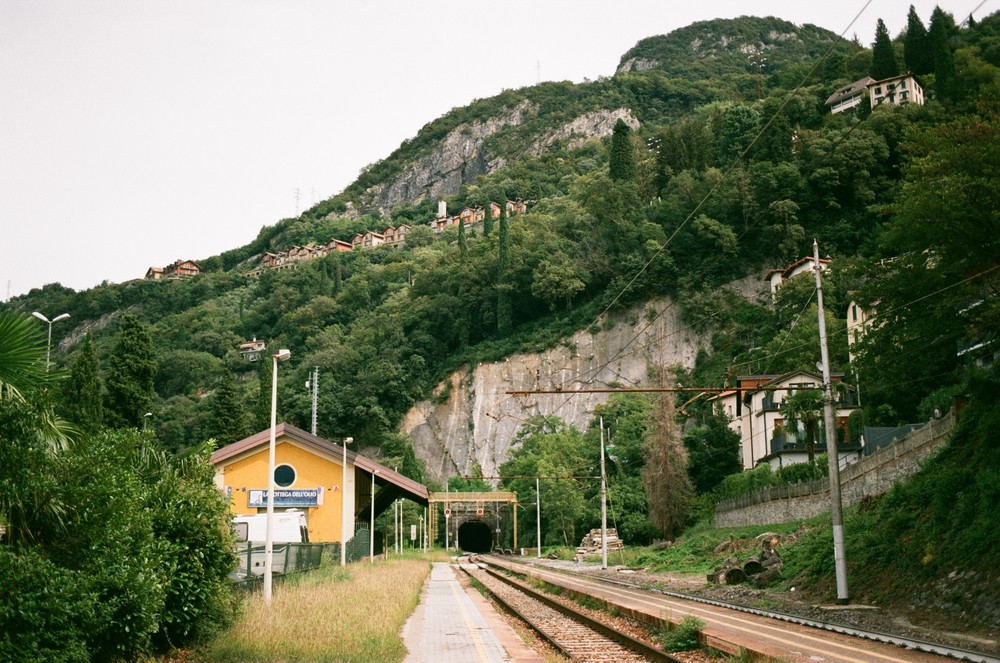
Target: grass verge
<point>344,615</point>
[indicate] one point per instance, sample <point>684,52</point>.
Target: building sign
<point>285,498</point>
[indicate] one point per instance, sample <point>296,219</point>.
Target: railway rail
<point>577,636</point>
<point>908,647</point>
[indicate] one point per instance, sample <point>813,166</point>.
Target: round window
<point>284,475</point>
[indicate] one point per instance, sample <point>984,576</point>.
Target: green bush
<point>46,610</point>
<point>195,549</point>
<point>683,636</point>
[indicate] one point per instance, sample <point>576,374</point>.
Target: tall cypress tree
<point>488,218</point>
<point>463,248</point>
<point>939,35</point>
<point>505,314</point>
<point>916,46</point>
<point>883,55</point>
<point>82,392</point>
<point>130,382</point>
<point>262,406</point>
<point>227,422</point>
<point>622,167</point>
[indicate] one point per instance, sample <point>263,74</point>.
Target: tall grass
<point>331,615</point>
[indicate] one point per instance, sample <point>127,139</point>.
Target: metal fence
<point>285,558</point>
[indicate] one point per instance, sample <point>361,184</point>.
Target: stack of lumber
<point>591,543</point>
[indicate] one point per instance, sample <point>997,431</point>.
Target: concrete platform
<point>455,625</point>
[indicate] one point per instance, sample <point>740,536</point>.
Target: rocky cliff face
<point>457,160</point>
<point>475,421</point>
<point>460,159</point>
<point>586,127</point>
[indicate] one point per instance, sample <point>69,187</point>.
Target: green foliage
<point>505,315</point>
<point>228,421</point>
<point>683,636</point>
<point>194,547</point>
<point>110,556</point>
<point>83,392</point>
<point>916,48</point>
<point>713,453</point>
<point>941,523</point>
<point>130,381</point>
<point>622,163</point>
<point>22,355</point>
<point>47,610</point>
<point>883,55</point>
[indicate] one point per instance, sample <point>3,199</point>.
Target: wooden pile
<point>763,567</point>
<point>591,543</point>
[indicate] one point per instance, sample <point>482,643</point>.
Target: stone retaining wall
<point>872,475</point>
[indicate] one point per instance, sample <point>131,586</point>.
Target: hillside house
<point>776,277</point>
<point>754,412</point>
<point>898,90</point>
<point>179,269</point>
<point>368,240</point>
<point>849,96</point>
<point>335,245</point>
<point>397,235</point>
<point>252,350</point>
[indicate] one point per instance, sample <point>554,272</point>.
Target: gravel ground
<point>919,624</point>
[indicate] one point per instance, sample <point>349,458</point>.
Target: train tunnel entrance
<point>475,537</point>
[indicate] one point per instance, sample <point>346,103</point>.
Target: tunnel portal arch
<point>475,536</point>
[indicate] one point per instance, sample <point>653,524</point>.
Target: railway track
<point>576,635</point>
<point>904,643</point>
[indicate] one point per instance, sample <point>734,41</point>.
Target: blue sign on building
<point>285,498</point>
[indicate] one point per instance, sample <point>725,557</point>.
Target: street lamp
<point>280,355</point>
<point>371,520</point>
<point>48,350</point>
<point>343,506</point>
<point>145,419</point>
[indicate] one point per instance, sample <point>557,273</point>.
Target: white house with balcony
<point>754,412</point>
<point>849,96</point>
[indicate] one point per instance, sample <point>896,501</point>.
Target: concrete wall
<point>873,475</point>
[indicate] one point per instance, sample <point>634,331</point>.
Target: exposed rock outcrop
<point>586,127</point>
<point>457,160</point>
<point>475,421</point>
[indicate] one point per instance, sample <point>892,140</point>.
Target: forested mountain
<point>726,162</point>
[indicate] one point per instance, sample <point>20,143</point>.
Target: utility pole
<point>538,518</point>
<point>604,506</point>
<point>830,424</point>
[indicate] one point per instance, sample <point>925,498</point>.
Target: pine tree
<point>505,315</point>
<point>82,392</point>
<point>227,421</point>
<point>130,383</point>
<point>622,156</point>
<point>939,36</point>
<point>916,46</point>
<point>883,55</point>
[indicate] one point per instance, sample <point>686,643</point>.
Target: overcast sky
<point>137,132</point>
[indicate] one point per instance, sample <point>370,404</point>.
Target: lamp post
<point>145,419</point>
<point>280,355</point>
<point>48,350</point>
<point>371,521</point>
<point>343,507</point>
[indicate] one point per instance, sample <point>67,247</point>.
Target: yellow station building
<point>309,477</point>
